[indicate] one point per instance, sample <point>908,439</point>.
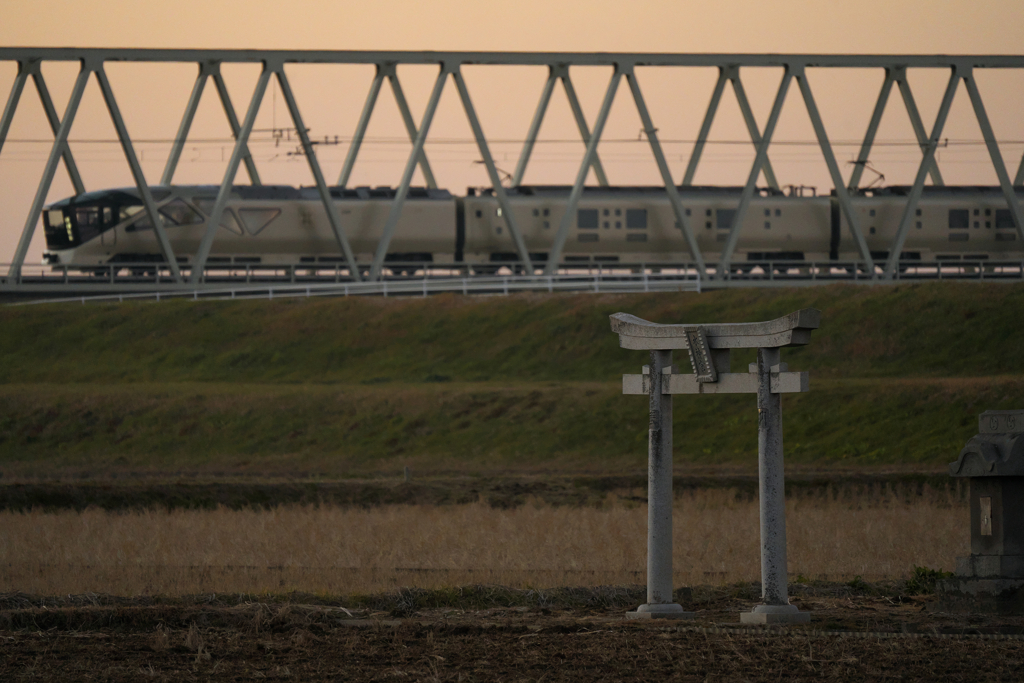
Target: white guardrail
<point>505,285</point>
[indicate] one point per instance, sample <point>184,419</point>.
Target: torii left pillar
<point>709,347</point>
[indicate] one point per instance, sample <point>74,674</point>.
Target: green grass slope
<point>345,387</point>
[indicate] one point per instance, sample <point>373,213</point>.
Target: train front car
<point>637,225</point>
<point>273,225</point>
<point>81,230</point>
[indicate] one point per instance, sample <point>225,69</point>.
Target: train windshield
<point>76,225</point>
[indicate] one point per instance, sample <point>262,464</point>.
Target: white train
<point>283,225</point>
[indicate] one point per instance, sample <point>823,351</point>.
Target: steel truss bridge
<point>200,275</point>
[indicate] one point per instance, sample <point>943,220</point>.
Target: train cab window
<point>959,219</point>
<point>255,220</point>
<point>87,221</point>
<point>636,219</point>
<point>586,219</point>
<point>1004,219</point>
<point>227,219</point>
<point>724,218</point>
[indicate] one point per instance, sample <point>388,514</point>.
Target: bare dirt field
<point>855,636</point>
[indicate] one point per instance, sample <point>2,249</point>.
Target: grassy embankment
<point>524,384</point>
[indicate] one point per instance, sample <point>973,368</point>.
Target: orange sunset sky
<point>152,97</point>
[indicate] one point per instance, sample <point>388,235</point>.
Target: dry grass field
<point>341,550</point>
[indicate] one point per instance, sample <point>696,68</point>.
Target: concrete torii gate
<point>709,347</point>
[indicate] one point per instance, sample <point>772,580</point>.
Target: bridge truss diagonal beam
<point>555,255</point>
<point>492,172</point>
<point>993,149</point>
<point>842,195</point>
<point>410,124</point>
<point>140,179</point>
<point>872,131</point>
<point>581,124</point>
<point>538,119</point>
<point>333,217</point>
<point>206,69</point>
<point>923,170</point>
<point>12,101</point>
<point>666,174</point>
<point>56,154</point>
<point>240,150</point>
<point>229,111</point>
<point>916,123</point>
<point>403,189</point>
<point>755,170</point>
<point>54,121</point>
<point>361,126</point>
<point>728,74</point>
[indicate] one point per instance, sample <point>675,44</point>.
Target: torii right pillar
<point>769,378</point>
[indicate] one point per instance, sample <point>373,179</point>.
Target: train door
<point>108,236</point>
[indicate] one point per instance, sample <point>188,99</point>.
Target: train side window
<point>479,213</point>
<point>636,219</point>
<point>227,219</point>
<point>767,212</point>
<point>618,212</point>
<point>606,213</point>
<point>536,212</point>
<point>586,219</point>
<point>547,212</point>
<point>688,212</point>
<point>708,212</point>
<point>180,213</point>
<point>725,218</point>
<point>871,213</point>
<point>778,212</point>
<point>1004,219</point>
<point>959,219</point>
<point>255,220</point>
